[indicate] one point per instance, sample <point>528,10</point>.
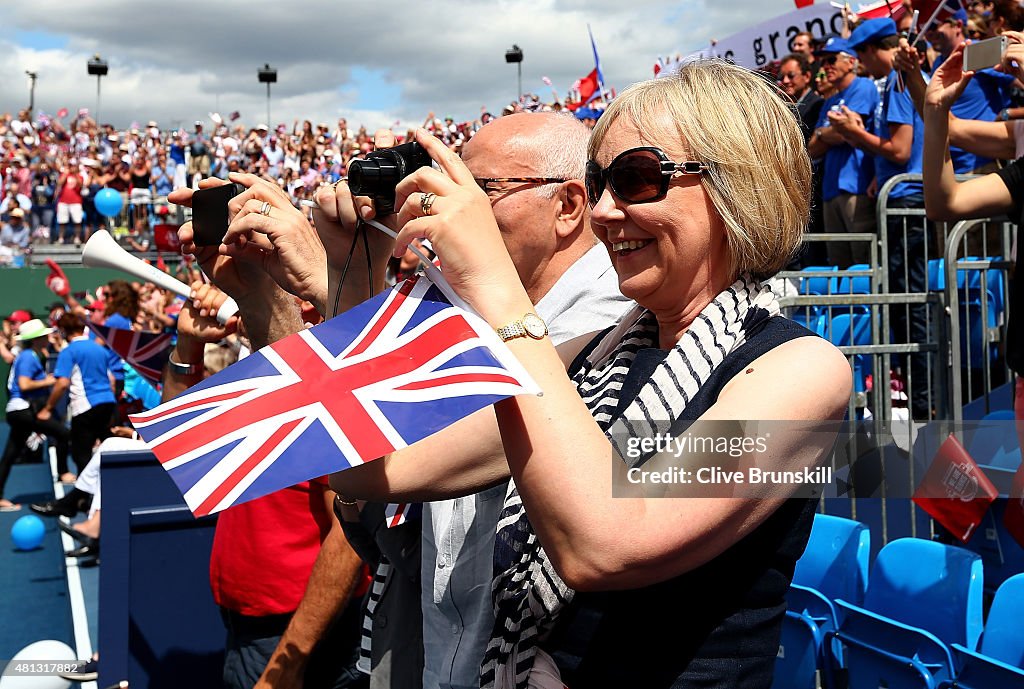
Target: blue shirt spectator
<point>26,364</point>
<point>896,107</point>
<point>848,170</point>
<point>87,366</point>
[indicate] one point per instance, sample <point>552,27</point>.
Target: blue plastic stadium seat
<point>995,442</point>
<point>936,274</point>
<point>834,565</point>
<point>1000,656</point>
<point>811,317</point>
<point>819,285</point>
<point>922,596</point>
<point>850,329</point>
<point>858,284</point>
<point>974,329</point>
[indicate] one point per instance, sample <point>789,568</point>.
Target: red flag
<point>800,4</point>
<point>1013,518</point>
<point>886,8</point>
<point>954,491</point>
<point>586,86</point>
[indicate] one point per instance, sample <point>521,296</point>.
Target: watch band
<point>511,331</point>
<point>181,369</point>
<point>531,325</point>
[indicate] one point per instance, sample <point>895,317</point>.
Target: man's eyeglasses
<point>639,175</point>
<point>829,59</point>
<point>488,183</point>
<point>788,75</point>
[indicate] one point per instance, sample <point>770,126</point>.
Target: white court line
<point>79,618</point>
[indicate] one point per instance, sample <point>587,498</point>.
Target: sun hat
<point>31,330</point>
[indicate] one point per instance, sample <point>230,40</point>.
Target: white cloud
<point>175,62</point>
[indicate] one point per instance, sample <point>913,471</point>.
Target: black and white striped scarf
<point>529,595</point>
<point>380,579</point>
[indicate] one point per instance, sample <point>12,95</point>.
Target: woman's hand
<point>267,230</point>
<point>463,233</point>
<point>948,82</point>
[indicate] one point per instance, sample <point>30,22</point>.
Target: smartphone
<point>984,54</point>
<point>210,213</point>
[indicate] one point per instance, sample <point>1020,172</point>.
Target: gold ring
<point>427,202</point>
<point>265,208</point>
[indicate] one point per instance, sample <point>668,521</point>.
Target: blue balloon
<point>27,532</point>
<point>108,202</point>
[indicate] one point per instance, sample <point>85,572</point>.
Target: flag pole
<point>597,62</point>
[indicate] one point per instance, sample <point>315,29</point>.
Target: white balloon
<point>48,651</point>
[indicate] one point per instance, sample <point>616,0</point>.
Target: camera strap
<point>360,232</point>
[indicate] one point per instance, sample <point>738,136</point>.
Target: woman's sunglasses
<point>638,175</point>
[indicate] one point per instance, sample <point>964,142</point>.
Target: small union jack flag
<point>146,351</point>
<point>396,514</point>
<point>385,374</point>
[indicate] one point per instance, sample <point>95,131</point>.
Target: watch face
<point>534,326</point>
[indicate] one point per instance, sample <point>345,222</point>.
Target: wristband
<point>182,369</point>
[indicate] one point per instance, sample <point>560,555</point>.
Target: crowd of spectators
<point>52,167</point>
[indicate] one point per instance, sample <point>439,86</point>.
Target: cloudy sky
<point>374,62</point>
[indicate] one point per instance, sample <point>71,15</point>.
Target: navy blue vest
<point>715,627</point>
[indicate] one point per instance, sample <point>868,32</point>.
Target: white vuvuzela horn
<point>102,251</point>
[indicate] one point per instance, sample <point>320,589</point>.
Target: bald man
<point>531,166</point>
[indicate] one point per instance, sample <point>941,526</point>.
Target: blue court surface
<point>43,595</point>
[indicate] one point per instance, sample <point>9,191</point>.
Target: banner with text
<point>769,41</point>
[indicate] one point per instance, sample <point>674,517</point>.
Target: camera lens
<point>379,173</point>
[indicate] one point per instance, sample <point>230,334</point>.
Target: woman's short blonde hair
<point>745,131</point>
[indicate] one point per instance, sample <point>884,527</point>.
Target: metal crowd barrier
<point>937,369</point>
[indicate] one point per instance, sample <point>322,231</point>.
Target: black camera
<point>379,173</point>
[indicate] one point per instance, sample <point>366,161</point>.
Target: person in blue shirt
<point>83,369</point>
<point>26,389</point>
<point>896,141</point>
<point>847,171</point>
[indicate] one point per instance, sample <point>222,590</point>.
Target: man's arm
<point>822,139</point>
<point>896,148</point>
<point>334,577</point>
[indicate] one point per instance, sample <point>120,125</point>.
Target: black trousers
<point>86,429</point>
<point>24,423</point>
<point>908,272</point>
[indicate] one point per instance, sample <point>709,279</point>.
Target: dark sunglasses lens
<point>636,177</point>
<point>595,183</point>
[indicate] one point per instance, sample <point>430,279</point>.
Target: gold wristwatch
<point>531,325</point>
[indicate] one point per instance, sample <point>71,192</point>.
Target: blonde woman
<point>699,188</point>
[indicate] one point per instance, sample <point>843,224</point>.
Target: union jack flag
<point>385,374</point>
<point>146,351</point>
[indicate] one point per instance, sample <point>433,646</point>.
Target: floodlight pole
<point>267,75</point>
<point>97,66</point>
<point>32,76</point>
<point>515,54</point>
